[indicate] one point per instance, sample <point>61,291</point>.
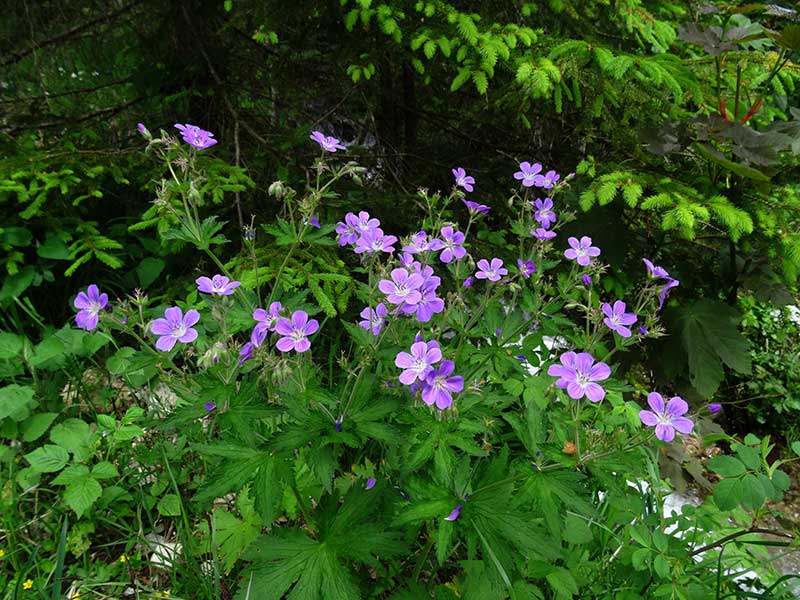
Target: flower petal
<point>677,406</point>
<point>656,402</point>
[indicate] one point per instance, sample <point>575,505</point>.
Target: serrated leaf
<point>170,506</point>
<point>48,459</point>
<point>82,493</point>
<point>16,401</point>
<point>727,466</point>
<point>36,425</point>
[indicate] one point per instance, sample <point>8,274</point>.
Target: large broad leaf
<point>16,402</point>
<point>290,558</point>
<point>709,335</point>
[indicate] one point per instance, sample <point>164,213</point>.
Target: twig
<point>18,56</point>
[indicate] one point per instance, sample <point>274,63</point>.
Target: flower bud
<point>277,189</point>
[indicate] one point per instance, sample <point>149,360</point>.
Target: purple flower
<point>143,130</point>
<point>267,320</point>
<point>454,513</point>
<point>498,332</point>
<point>295,333</point>
<point>197,138</point>
<point>581,251</point>
<point>370,483</point>
<point>655,271</point>
<point>475,208</point>
<point>546,181</point>
<point>662,293</point>
<point>527,173</point>
<point>209,406</point>
<point>374,319</point>
<point>337,424</point>
<point>314,222</point>
<point>578,374</point>
<point>219,285</point>
<point>666,419</point>
<point>439,385</point>
<point>462,179</point>
<point>419,363</point>
<point>617,319</point>
<point>373,240</point>
<point>468,282</point>
<point>714,407</point>
<point>587,281</point>
<point>329,143</point>
<point>354,226</point>
<point>643,330</point>
<point>403,288</point>
<point>543,234</point>
<point>246,353</point>
<point>89,305</point>
<point>491,272</point>
<point>429,304</point>
<point>175,328</point>
<point>450,245</point>
<point>419,244</point>
<point>526,268</point>
<point>544,213</point>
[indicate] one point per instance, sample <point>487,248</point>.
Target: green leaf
<point>48,459</point>
<point>54,248</point>
<point>728,494</point>
<point>577,530</point>
<point>15,285</point>
<point>16,402</point>
<point>82,493</point>
<point>35,426</point>
<point>170,506</point>
<point>753,493</point>
<point>10,345</point>
<point>71,475</point>
<point>70,434</point>
<point>727,466</point>
<point>148,270</point>
<point>233,536</point>
<point>562,582</point>
<point>709,334</point>
<point>104,470</point>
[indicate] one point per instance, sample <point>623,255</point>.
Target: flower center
<point>179,330</point>
<point>298,334</point>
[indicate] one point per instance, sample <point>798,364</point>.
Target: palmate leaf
<point>709,336</point>
<point>290,564</point>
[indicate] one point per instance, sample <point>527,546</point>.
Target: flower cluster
<point>530,175</point>
<point>293,331</point>
<point>365,233</point>
<point>437,385</point>
<point>412,289</point>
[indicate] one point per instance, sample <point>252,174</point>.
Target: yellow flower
<point>28,584</point>
<point>162,594</point>
<point>2,553</point>
<point>123,559</point>
<point>75,596</point>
